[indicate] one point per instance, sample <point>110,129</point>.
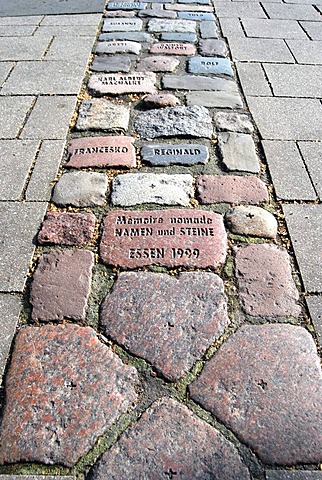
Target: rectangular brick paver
<point>306,52</point>
<point>302,81</point>
<point>13,112</point>
<point>269,28</point>
<point>260,50</point>
<point>18,48</point>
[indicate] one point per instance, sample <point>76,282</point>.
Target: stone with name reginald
<point>172,154</point>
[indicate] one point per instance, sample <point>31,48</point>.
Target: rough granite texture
<point>238,152</point>
<point>233,122</point>
<point>191,121</point>
<point>251,220</point>
<point>160,100</point>
<point>179,26</point>
<point>64,388</point>
<point>172,320</point>
<point>158,63</point>
<point>81,189</point>
<point>169,441</point>
<point>101,114</point>
<point>273,404</point>
<point>266,286</point>
<point>64,228</point>
<point>61,285</point>
<point>231,189</point>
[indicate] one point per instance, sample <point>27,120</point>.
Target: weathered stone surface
<point>173,320</point>
<point>163,189</point>
<point>191,121</point>
<point>158,63</point>
<point>150,12</point>
<point>118,47</point>
<point>196,16</point>
<point>233,122</point>
<point>215,99</point>
<point>169,441</point>
<point>105,63</point>
<point>173,48</point>
<point>179,37</point>
<point>117,83</point>
<point>130,36</point>
<point>81,189</point>
<point>215,65</point>
<point>231,189</point>
<point>101,114</point>
<point>65,228</point>
<point>10,308</point>
<point>213,48</point>
<point>293,475</point>
<point>251,220</point>
<point>171,154</point>
<point>196,82</point>
<point>122,25</point>
<point>126,5</point>
<point>191,8</point>
<point>208,29</point>
<point>266,286</point>
<point>101,152</point>
<point>280,384</point>
<point>191,238</point>
<point>61,285</point>
<point>119,13</point>
<point>161,100</point>
<point>238,152</point>
<point>179,26</point>
<point>64,389</point>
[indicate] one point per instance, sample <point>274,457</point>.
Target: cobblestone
<point>161,100</point>
<point>231,189</point>
<point>281,381</point>
<point>130,36</point>
<point>81,189</point>
<point>64,228</point>
<point>101,114</point>
<point>208,29</point>
<point>217,66</point>
<point>179,37</point>
<point>105,63</point>
<point>122,24</point>
<point>233,122</point>
<point>198,82</point>
<point>213,48</point>
<point>118,47</point>
<point>179,26</point>
<point>251,220</point>
<point>173,48</point>
<point>238,152</point>
<point>158,63</point>
<point>167,154</point>
<point>117,83</point>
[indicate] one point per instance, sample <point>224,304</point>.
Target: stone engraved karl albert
<point>175,237</point>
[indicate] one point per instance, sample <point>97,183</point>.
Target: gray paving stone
<point>117,63</point>
<point>304,225</point>
<point>213,48</point>
<point>72,20</point>
<point>238,152</point>
<point>188,7</point>
<point>240,9</point>
<point>198,16</point>
<point>13,112</point>
<point>5,68</point>
<point>314,304</point>
<point>287,118</point>
<point>57,110</point>
<point>28,48</point>
<point>179,37</point>
<point>208,29</point>
<point>291,12</point>
<point>122,25</point>
<point>81,189</point>
<point>233,122</point>
<point>118,47</point>
<point>191,121</point>
<point>306,52</point>
<point>101,114</point>
<point>214,65</point>
<point>162,189</point>
<point>16,160</point>
<point>119,13</point>
<point>252,78</point>
<point>45,170</point>
<point>150,12</point>
<point>130,36</point>
<point>50,7</point>
<point>72,50</point>
<point>174,154</point>
<point>201,2</point>
<point>177,26</point>
<point>16,239</point>
<point>160,100</point>
<point>45,78</point>
<point>312,154</point>
<point>290,178</point>
<point>313,29</point>
<point>21,20</point>
<point>69,31</point>
<point>302,81</point>
<point>126,5</point>
<point>10,306</point>
<point>195,82</point>
<point>298,475</point>
<point>270,28</point>
<point>260,50</point>
<point>17,31</point>
<point>231,27</point>
<point>215,99</point>
<point>251,220</point>
<point>158,63</point>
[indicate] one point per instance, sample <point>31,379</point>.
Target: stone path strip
<point>163,334</point>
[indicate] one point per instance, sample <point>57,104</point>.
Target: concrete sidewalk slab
<point>49,7</point>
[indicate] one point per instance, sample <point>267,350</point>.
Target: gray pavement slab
<point>10,306</point>
<point>72,20</point>
<point>66,31</point>
<point>239,9</point>
<point>26,48</point>
<point>307,52</point>
<point>46,78</point>
<point>291,12</point>
<point>17,30</point>
<point>269,28</point>
<point>75,50</point>
<point>260,50</point>
<point>304,223</point>
<point>290,178</point>
<point>312,155</point>
<point>287,118</point>
<point>304,81</point>
<point>45,171</point>
<point>313,29</point>
<point>231,27</point>
<point>49,7</point>
<point>19,223</point>
<point>16,160</point>
<point>253,80</point>
<point>50,118</point>
<point>13,111</point>
<point>314,304</point>
<point>5,68</point>
<point>24,20</point>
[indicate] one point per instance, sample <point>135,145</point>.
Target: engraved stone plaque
<point>126,6</point>
<point>173,48</point>
<point>166,154</point>
<point>219,66</point>
<point>117,83</point>
<point>171,238</point>
<point>122,25</point>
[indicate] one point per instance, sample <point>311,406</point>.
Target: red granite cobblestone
<point>64,228</point>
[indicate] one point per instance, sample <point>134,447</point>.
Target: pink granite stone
<point>173,48</point>
<point>231,189</point>
<point>64,228</point>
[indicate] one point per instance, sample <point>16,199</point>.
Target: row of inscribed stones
<point>64,384</point>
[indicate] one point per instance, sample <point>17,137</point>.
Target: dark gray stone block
<point>117,63</point>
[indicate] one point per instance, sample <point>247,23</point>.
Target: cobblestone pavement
<point>160,230</point>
